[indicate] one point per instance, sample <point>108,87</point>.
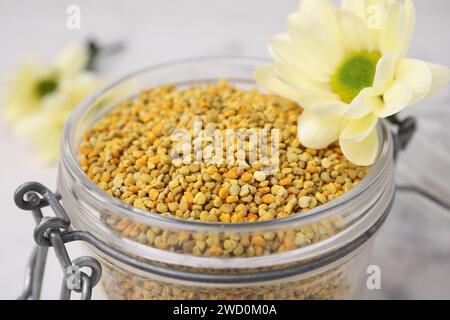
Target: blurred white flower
<point>28,89</point>
<point>347,70</point>
<point>41,97</point>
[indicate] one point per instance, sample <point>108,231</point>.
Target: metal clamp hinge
<point>50,232</point>
<point>403,132</point>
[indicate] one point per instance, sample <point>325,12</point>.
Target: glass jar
<point>320,254</point>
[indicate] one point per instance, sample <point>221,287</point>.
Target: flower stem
<point>95,51</point>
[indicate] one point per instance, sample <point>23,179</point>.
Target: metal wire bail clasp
<point>403,132</point>
<point>51,232</point>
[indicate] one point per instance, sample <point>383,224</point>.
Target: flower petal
<point>372,12</point>
<point>278,79</point>
<point>266,77</point>
<point>355,32</point>
<point>440,77</point>
<point>359,129</point>
<point>397,97</point>
<point>322,9</point>
<point>318,41</point>
<point>362,153</point>
<point>397,30</point>
<point>72,60</point>
<point>317,133</point>
<point>384,73</point>
<point>418,75</point>
<point>357,7</point>
<point>43,130</point>
<point>283,50</point>
<point>365,102</point>
<point>410,17</point>
<point>323,104</point>
<point>390,30</point>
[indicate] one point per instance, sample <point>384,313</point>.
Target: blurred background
<point>413,248</point>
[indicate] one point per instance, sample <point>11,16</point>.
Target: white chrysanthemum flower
<point>41,97</point>
<point>347,68</point>
<point>34,82</point>
<point>27,89</point>
<point>43,128</point>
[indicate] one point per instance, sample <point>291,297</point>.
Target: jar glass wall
<point>318,254</point>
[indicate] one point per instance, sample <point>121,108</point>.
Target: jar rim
<point>69,159</point>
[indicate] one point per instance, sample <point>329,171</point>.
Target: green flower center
<point>46,86</point>
<point>354,74</point>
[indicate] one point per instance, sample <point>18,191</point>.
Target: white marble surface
<point>413,249</point>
